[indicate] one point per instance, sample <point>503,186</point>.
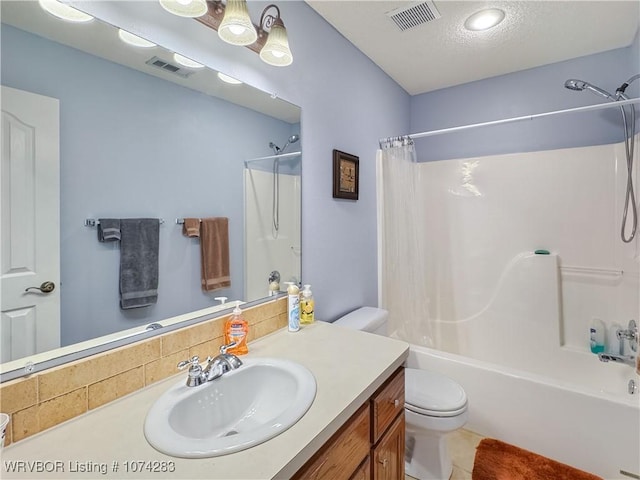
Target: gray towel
<point>139,242</point>
<point>108,229</point>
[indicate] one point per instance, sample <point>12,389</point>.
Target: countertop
<point>109,442</point>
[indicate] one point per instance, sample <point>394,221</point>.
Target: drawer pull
<point>383,461</point>
<point>396,403</point>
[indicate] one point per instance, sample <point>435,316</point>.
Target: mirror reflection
<point>101,129</point>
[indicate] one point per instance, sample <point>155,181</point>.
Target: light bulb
<point>484,19</point>
<point>65,12</point>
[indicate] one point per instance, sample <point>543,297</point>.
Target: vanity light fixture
<point>227,79</point>
<point>484,19</point>
<point>186,62</point>
<point>276,50</point>
<point>63,11</point>
<point>233,24</point>
<point>236,27</point>
<point>185,8</point>
<point>135,40</point>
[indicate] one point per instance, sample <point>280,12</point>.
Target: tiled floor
<point>462,447</point>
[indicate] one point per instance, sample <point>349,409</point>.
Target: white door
<point>29,226</point>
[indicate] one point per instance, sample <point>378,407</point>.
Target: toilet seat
<point>433,394</point>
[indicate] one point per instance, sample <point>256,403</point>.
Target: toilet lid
<point>431,393</point>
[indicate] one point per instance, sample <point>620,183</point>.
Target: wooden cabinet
<point>341,456</point>
<point>388,455</point>
<point>370,445</point>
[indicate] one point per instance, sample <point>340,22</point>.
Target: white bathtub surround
<point>513,326</point>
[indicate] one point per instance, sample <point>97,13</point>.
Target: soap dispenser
<point>236,330</point>
<point>306,306</point>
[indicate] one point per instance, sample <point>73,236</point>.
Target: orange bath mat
<point>496,460</point>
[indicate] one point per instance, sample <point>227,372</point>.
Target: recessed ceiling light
<point>228,79</point>
<point>186,62</point>
<point>65,12</point>
<point>185,8</point>
<point>484,19</point>
<point>135,40</point>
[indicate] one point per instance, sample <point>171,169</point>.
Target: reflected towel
<point>139,243</point>
<point>214,253</point>
<point>191,227</point>
<point>108,229</point>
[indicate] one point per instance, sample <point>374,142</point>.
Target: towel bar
<point>180,221</point>
<point>92,222</point>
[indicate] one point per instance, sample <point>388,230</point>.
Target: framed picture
<point>345,175</point>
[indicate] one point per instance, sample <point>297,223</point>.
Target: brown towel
<point>214,253</point>
<point>191,227</point>
<point>496,460</point>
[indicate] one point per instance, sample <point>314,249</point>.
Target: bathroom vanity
<point>358,409</point>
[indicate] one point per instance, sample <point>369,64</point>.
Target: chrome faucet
<point>215,368</point>
<point>223,363</point>
<point>630,334</point>
<point>626,359</point>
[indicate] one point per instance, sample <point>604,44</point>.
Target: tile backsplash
<point>48,398</point>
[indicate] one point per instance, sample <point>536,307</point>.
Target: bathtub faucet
<point>626,359</point>
<point>630,334</point>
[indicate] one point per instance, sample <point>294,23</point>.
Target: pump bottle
<point>236,330</point>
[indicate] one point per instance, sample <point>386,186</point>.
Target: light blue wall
<point>347,103</point>
<point>171,151</point>
<point>523,93</point>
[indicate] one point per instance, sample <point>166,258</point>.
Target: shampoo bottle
<point>306,306</point>
<point>236,330</point>
<point>293,306</point>
<point>596,336</point>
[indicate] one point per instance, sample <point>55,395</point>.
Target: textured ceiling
<point>442,53</point>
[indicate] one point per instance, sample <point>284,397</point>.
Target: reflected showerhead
<point>579,85</point>
<point>277,150</point>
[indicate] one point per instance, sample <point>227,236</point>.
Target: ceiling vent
<point>414,15</point>
<point>169,67</point>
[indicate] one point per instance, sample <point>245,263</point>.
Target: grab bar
<point>608,272</point>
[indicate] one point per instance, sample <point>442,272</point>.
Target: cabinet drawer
<point>386,404</point>
<point>343,453</point>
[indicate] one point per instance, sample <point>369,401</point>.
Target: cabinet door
<point>340,457</point>
<point>364,472</point>
<point>388,456</point>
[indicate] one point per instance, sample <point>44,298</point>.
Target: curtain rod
<point>598,106</point>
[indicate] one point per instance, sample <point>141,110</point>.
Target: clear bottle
<point>596,336</point>
<point>293,306</point>
<point>236,330</point>
<point>306,306</point>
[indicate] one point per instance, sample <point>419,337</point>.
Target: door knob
<point>46,287</point>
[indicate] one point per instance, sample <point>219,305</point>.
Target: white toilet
<point>434,406</point>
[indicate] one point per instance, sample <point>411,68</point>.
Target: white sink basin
<point>239,410</point>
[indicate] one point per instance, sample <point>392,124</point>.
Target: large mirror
<point>139,135</point>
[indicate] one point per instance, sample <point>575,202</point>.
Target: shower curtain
<point>403,235</point>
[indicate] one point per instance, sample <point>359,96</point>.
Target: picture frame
<point>345,175</point>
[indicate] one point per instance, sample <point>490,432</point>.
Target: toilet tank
<point>367,319</point>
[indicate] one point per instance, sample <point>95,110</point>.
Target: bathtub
<point>589,428</point>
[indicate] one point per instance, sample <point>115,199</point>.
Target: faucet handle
<point>192,362</point>
<point>224,348</point>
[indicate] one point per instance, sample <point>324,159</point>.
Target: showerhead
<point>579,85</point>
<point>277,150</point>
